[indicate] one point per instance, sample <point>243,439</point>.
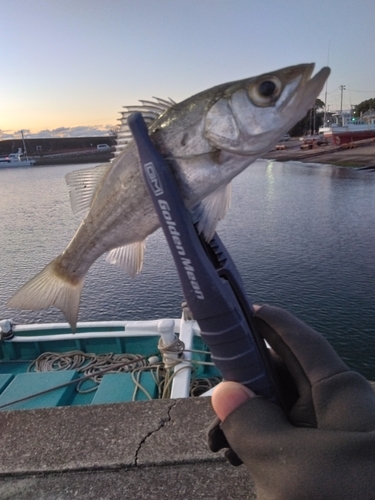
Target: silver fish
<point>208,139</point>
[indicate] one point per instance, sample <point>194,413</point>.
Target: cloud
<point>80,131</point>
<point>6,134</point>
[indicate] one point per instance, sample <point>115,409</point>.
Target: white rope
<point>171,353</point>
<point>94,366</point>
<point>87,364</point>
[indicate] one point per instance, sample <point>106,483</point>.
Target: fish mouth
<point>298,96</point>
<point>309,88</point>
<point>303,89</point>
<point>252,114</point>
<point>302,98</point>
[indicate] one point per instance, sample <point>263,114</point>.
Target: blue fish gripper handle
<point>211,284</point>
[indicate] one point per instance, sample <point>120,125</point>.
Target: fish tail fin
<point>50,288</point>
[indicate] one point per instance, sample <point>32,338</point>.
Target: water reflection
<point>302,237</point>
<point>270,181</point>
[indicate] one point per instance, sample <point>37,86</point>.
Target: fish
<point>207,140</point>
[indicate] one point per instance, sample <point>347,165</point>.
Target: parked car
<point>285,137</point>
<point>103,147</point>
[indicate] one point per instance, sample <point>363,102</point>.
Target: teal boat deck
<point>23,388</point>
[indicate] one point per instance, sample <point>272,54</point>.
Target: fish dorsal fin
<point>150,111</point>
<point>212,209</point>
<point>82,185</point>
<point>129,257</point>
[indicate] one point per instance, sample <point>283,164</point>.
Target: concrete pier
<point>143,450</point>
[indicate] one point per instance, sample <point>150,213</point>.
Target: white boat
<point>47,365</point>
<point>16,160</point>
<point>19,159</point>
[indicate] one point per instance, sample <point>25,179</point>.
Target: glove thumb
<point>228,396</point>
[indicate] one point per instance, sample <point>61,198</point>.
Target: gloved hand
<point>324,448</point>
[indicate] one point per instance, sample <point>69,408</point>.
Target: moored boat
<point>47,365</point>
<point>16,160</point>
<point>351,132</point>
<point>19,159</point>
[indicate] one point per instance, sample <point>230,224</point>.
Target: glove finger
<point>330,393</point>
<point>217,441</point>
<point>291,338</point>
<point>294,463</point>
<point>215,436</point>
<point>258,429</point>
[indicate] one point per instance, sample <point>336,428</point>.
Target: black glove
<point>324,447</point>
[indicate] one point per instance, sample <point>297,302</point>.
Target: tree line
<point>315,116</point>
<point>364,106</point>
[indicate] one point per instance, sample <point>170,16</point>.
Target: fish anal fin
<point>50,289</point>
<point>82,185</point>
<point>212,209</point>
<point>128,257</point>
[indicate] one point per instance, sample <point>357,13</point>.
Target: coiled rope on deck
<point>171,353</point>
<point>90,365</point>
<point>94,366</point>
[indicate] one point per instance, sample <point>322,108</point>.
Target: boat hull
<point>47,365</point>
<point>16,164</point>
<point>346,135</point>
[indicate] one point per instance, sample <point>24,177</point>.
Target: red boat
<point>348,133</point>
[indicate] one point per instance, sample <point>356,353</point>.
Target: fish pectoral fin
<point>129,257</point>
<point>212,209</point>
<point>82,185</point>
<point>47,289</point>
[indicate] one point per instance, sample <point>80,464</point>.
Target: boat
<point>351,132</point>
<point>16,160</point>
<point>19,159</point>
<point>47,365</point>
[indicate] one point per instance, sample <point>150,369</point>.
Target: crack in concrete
<point>163,421</point>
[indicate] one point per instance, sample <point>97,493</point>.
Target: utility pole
<point>342,87</point>
<point>325,95</point>
<point>314,121</point>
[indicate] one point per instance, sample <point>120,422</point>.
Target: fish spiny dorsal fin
<point>82,185</point>
<point>129,257</point>
<point>150,110</point>
<point>213,209</point>
<point>166,103</point>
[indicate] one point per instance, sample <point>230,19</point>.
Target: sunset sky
<point>68,67</point>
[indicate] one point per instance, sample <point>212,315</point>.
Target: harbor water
<point>302,237</point>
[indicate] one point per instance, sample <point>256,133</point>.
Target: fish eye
<point>266,91</point>
<point>267,88</point>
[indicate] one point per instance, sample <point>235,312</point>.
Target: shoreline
<point>360,155</point>
<point>71,159</point>
<point>357,155</point>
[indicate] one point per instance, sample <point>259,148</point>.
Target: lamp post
<point>342,87</point>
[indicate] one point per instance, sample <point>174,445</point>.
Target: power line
<point>368,91</point>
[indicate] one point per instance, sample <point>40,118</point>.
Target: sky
<point>68,67</point>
